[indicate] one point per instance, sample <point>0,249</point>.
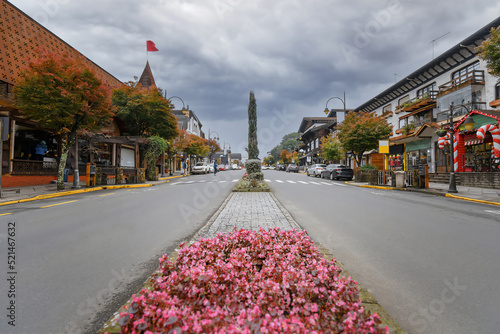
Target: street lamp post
<point>327,111</point>
<point>215,138</point>
<point>176,97</point>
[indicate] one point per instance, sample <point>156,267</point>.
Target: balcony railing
<point>444,115</point>
<point>418,102</point>
<point>469,78</point>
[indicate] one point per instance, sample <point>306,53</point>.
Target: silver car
<point>315,170</point>
<point>200,168</point>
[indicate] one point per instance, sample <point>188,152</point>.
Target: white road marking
<point>235,180</point>
<point>312,182</point>
<point>267,180</point>
<point>303,182</point>
<point>491,211</point>
<point>340,184</point>
<point>328,184</point>
<point>289,181</point>
<point>279,181</point>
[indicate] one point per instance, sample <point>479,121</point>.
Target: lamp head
<point>327,111</point>
<point>469,123</point>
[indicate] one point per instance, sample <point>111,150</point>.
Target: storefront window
<point>26,142</point>
<point>417,158</point>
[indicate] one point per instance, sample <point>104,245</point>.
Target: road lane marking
<point>267,180</point>
<point>289,181</point>
<point>312,182</point>
<point>106,194</point>
<point>5,214</point>
<point>328,184</point>
<point>303,182</point>
<point>189,182</point>
<point>235,180</point>
<point>491,211</point>
<point>340,184</point>
<point>48,206</point>
<point>279,181</point>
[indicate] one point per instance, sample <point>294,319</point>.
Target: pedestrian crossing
<point>323,183</point>
<point>316,183</point>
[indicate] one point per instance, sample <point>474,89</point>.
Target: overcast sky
<point>293,54</point>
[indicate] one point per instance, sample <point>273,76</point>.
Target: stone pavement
<point>250,211</point>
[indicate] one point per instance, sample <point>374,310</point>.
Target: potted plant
<point>441,132</point>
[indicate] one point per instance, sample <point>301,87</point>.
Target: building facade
<point>453,86</point>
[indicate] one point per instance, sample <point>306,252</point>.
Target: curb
<point>80,191</point>
<point>435,193</point>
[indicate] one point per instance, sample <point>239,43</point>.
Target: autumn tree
<point>360,132</point>
<point>289,142</point>
<point>331,148</point>
<point>63,96</point>
<point>175,146</point>
<point>269,160</point>
<point>489,51</point>
<point>285,156</point>
<point>213,147</point>
<point>196,146</point>
<point>145,112</point>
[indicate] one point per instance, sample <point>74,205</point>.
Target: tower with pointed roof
<point>147,80</point>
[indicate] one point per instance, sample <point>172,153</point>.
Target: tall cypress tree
<point>253,149</point>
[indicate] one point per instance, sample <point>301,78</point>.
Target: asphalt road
<point>78,258</point>
<point>432,262</point>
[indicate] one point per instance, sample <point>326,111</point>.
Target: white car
<point>315,170</point>
<point>200,168</point>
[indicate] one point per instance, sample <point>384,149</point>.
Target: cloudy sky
<point>293,54</point>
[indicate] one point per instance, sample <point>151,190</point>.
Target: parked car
<point>222,167</point>
<point>280,167</point>
<point>200,168</point>
<point>211,168</point>
<point>292,168</point>
<point>315,170</point>
<point>336,171</point>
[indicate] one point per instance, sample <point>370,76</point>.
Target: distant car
<point>200,168</point>
<point>222,167</point>
<point>315,170</point>
<point>336,171</point>
<point>280,167</point>
<point>292,168</point>
<point>211,168</point>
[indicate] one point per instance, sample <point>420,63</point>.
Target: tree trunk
<point>66,143</point>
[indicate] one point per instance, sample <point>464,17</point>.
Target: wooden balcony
<point>471,78</point>
<point>418,102</point>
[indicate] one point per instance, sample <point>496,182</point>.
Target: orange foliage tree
<point>63,96</point>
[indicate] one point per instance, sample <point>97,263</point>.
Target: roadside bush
<point>368,167</point>
<point>250,282</point>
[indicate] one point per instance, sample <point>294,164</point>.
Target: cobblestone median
<point>250,211</point>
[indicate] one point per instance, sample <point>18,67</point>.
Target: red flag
<point>151,47</point>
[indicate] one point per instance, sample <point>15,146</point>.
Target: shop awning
<point>471,142</point>
<point>418,145</point>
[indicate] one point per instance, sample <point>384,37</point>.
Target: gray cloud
<point>293,54</point>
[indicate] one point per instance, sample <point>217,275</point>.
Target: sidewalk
<point>474,194</point>
<point>32,193</point>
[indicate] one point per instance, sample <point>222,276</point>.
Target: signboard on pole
<point>383,146</point>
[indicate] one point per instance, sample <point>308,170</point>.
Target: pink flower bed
<point>250,282</point>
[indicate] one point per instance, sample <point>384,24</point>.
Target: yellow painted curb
<point>377,187</point>
<point>52,195</point>
<point>143,185</point>
<point>472,199</point>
